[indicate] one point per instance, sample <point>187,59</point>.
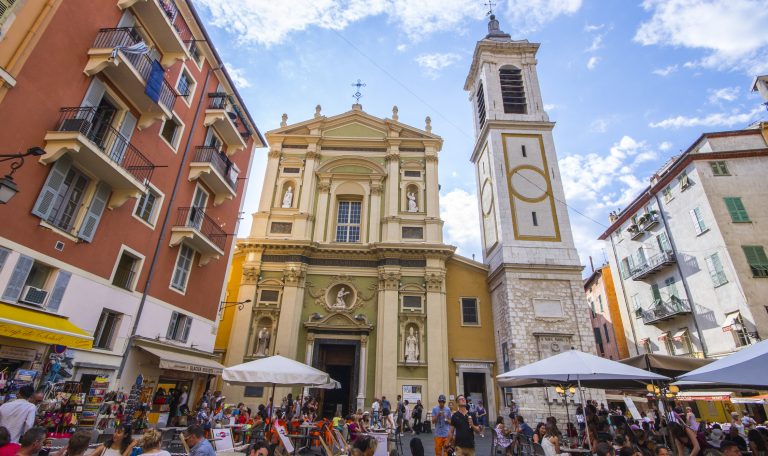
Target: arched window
<point>481,105</point>
<point>512,90</point>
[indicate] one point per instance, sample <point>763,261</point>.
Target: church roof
<point>354,125</point>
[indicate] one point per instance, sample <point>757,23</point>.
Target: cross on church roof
<point>357,94</point>
<point>490,4</point>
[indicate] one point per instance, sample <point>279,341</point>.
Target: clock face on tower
<point>486,197</point>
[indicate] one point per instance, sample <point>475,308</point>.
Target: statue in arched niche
<point>262,342</point>
<point>288,198</point>
<point>412,346</point>
<point>412,206</point>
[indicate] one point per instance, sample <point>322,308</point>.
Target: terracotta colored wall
<point>51,78</point>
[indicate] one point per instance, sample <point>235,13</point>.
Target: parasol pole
<point>589,440</point>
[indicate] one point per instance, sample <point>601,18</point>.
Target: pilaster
<point>387,332</point>
<point>290,310</point>
<point>321,213</point>
<point>270,178</point>
<point>363,366</point>
<point>375,211</point>
<point>437,335</point>
<point>392,202</point>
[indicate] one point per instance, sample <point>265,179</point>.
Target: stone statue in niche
<point>411,347</point>
<point>341,301</point>
<point>288,198</point>
<point>262,344</point>
<point>412,207</point>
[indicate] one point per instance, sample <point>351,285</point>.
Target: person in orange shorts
<point>441,419</point>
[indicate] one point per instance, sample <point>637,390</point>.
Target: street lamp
<point>227,304</point>
<point>566,392</point>
<point>8,187</point>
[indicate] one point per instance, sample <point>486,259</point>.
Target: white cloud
<point>593,28</point>
<point>592,62</point>
<point>529,15</point>
<point>432,64</point>
<point>550,106</point>
<point>238,76</point>
<point>599,125</point>
<point>724,94</point>
<point>402,47</point>
<point>731,32</point>
<point>666,71</point>
<point>597,43</point>
<point>665,146</point>
<point>458,209</point>
<point>712,120</point>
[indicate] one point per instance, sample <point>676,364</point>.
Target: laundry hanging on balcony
<point>137,49</point>
<point>155,81</point>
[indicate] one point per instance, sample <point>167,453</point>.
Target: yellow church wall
<point>233,290</point>
<point>466,278</point>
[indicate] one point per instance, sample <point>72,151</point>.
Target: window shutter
<point>94,94</point>
<point>187,326</point>
<point>172,325</point>
<point>121,144</point>
<point>695,218</point>
<point>62,280</point>
<point>95,210</point>
<point>3,256</point>
<point>18,278</point>
<point>50,191</point>
<point>655,291</point>
<point>712,262</point>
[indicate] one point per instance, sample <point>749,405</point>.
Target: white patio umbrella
<point>575,366</point>
<point>748,367</point>
<point>277,370</point>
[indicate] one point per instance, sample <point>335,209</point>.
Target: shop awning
<point>28,324</point>
<point>185,362</point>
<point>730,320</point>
<point>703,395</point>
<point>620,398</point>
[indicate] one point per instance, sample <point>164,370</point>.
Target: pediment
<point>338,321</point>
<point>355,130</point>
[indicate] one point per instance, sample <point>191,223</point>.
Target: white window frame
<point>717,275</point>
<point>177,137</point>
<point>139,265</point>
<point>699,226</point>
<point>185,328</point>
<point>99,331</point>
<point>182,290</point>
<point>159,198</point>
<point>477,310</point>
<point>192,86</point>
<point>338,224</point>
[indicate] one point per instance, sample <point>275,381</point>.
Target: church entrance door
<point>339,359</point>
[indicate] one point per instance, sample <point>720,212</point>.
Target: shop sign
<point>18,353</point>
<point>179,366</point>
<point>41,335</point>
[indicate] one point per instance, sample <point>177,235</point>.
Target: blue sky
<point>630,84</point>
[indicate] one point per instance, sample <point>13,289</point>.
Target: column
<point>321,213</point>
<point>387,345</point>
<point>391,224</point>
<point>290,310</point>
<point>437,335</point>
<point>375,211</point>
<point>308,359</point>
<point>434,232</point>
<point>270,178</point>
<point>363,366</point>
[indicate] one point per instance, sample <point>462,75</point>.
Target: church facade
<point>346,269</point>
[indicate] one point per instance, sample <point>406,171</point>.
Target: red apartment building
<point>118,242</point>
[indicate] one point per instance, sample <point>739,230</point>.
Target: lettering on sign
<point>39,335</point>
<point>18,353</point>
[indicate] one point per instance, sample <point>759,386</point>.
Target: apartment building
<point>605,316</point>
<point>689,253</point>
<point>117,244</point>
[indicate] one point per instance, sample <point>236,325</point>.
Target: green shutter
<point>736,209</point>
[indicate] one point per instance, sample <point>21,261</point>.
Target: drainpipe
<point>626,300</point>
<point>682,276</point>
<point>164,226</point>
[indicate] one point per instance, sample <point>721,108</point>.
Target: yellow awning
<point>28,324</point>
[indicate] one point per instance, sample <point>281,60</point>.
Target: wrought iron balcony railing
<point>665,310</point>
<point>94,125</point>
<point>653,265</point>
<point>219,161</point>
<point>196,218</point>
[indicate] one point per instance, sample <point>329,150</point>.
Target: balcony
<point>139,78</point>
<point>666,310</point>
<point>217,171</point>
<point>199,231</point>
<point>222,116</point>
<point>648,220</point>
<point>635,231</point>
<point>653,265</point>
<point>101,150</point>
<point>166,25</point>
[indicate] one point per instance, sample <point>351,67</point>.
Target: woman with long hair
<point>684,439</point>
<point>551,440</point>
<point>117,444</point>
<point>539,432</point>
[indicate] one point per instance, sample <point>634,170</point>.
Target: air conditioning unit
<point>34,296</point>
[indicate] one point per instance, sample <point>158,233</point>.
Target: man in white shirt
<point>375,410</point>
<point>19,416</point>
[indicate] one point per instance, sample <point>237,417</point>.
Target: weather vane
<point>490,4</point>
<point>357,94</point>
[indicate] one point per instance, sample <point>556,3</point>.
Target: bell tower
<point>535,273</point>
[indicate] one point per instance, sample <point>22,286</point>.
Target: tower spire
<point>494,31</point>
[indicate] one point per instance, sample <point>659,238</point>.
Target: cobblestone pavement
<point>482,444</point>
